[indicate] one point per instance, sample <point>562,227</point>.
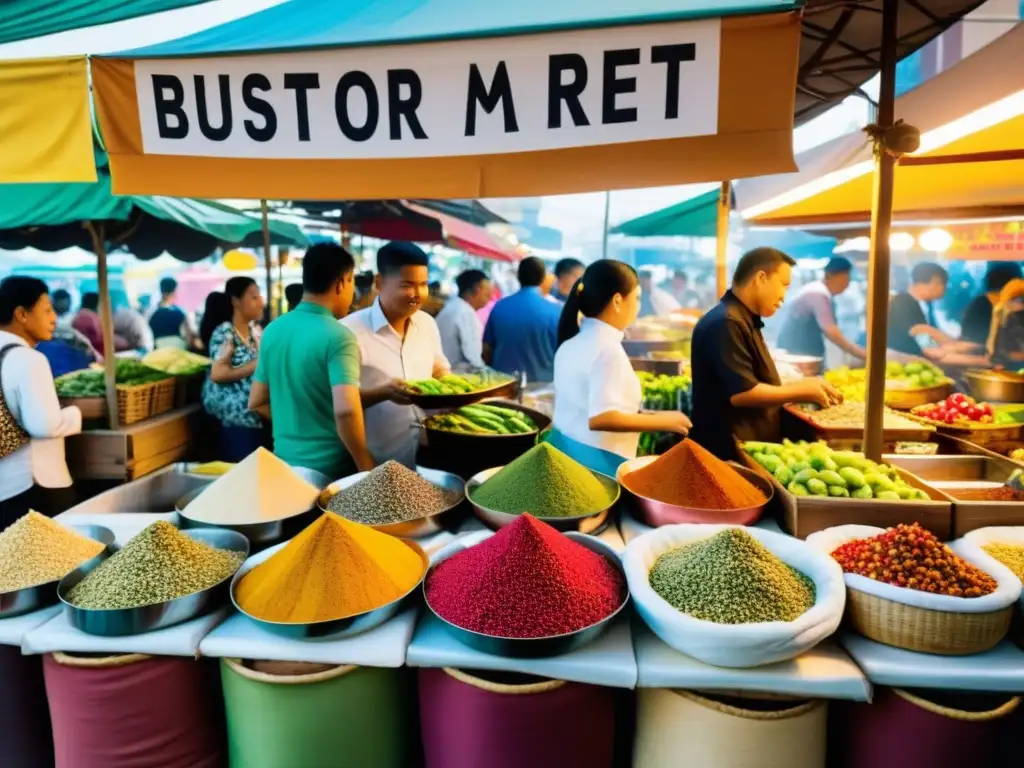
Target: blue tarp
<point>311,24</point>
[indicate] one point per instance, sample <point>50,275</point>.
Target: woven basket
<point>134,404</point>
<point>163,396</point>
<point>926,631</point>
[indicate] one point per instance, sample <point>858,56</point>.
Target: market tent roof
<point>430,107</point>
<point>981,130</point>
<point>49,217</point>
<point>694,217</point>
<point>470,238</point>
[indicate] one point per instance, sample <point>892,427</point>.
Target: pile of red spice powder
<point>527,580</point>
<point>690,476</point>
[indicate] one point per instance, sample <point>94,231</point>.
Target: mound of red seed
<point>527,580</point>
<point>910,556</point>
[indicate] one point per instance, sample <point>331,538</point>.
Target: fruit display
<point>662,393</point>
<point>814,469</point>
<point>852,382</point>
<point>454,384</point>
<point>177,362</point>
<point>1017,454</point>
<point>956,410</point>
<point>90,382</point>
<point>483,419</point>
<point>852,414</point>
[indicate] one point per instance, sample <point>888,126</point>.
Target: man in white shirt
<point>462,333</point>
<point>397,342</point>
<point>655,301</point>
<point>35,475</point>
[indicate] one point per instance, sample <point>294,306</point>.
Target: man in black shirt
<point>977,318</point>
<point>912,314</point>
<point>736,388</point>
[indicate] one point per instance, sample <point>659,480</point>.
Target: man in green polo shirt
<point>308,372</point>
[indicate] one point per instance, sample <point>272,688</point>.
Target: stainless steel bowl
<point>592,522</point>
<point>655,513</point>
<point>537,647</point>
<point>119,622</point>
<point>995,386</point>
<point>410,529</point>
<point>807,365</point>
<point>267,532</point>
<point>332,629</point>
<point>28,599</point>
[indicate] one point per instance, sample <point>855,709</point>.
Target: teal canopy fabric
<point>312,24</point>
<point>50,216</point>
<point>696,217</point>
<point>25,19</point>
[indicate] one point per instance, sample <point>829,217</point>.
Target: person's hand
<point>678,422</point>
<point>394,391</point>
<point>227,349</point>
<point>921,329</point>
<point>818,392</point>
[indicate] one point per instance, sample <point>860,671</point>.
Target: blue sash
<point>596,459</point>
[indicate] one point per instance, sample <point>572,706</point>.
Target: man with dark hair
<point>62,305</point>
<point>293,295</point>
<point>655,301</point>
<point>912,314</point>
<point>308,372</point>
<point>398,342</point>
<point>682,292</point>
<point>737,393</point>
<point>521,335</point>
<point>977,318</point>
<point>33,472</point>
<point>567,272</point>
<point>811,317</point>
<point>460,328</point>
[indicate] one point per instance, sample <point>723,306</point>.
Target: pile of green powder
<point>731,578</point>
<point>546,483</point>
<point>158,565</point>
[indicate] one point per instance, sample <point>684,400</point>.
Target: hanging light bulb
<point>901,241</point>
<point>935,240</point>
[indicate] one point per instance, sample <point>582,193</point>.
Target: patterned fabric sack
<point>12,435</point>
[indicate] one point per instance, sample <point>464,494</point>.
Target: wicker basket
<point>134,404</point>
<point>918,629</point>
<point>163,396</point>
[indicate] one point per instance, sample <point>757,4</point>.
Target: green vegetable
<point>799,466</point>
<point>887,496</point>
<point>817,487</point>
<point>853,477</point>
<point>772,463</point>
<point>831,477</point>
<point>804,475</point>
<point>864,492</point>
<point>838,491</point>
<point>784,475</point>
<point>797,489</point>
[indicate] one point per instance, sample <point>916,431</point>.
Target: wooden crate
<point>135,450</point>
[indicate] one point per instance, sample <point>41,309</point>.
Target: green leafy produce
<point>838,474</point>
<point>662,393</point>
<point>90,382</point>
<point>483,419</point>
<point>454,384</point>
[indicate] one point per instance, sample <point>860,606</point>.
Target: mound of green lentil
<point>546,483</point>
<point>158,565</point>
<point>731,578</point>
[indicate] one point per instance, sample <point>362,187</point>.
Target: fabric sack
<point>12,434</point>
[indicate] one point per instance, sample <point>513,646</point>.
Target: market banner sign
<point>45,123</point>
<point>633,106</point>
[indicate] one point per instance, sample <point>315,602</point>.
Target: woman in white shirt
<point>597,418</point>
<point>33,471</point>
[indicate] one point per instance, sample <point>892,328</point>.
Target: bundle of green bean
<point>483,419</point>
<point>731,578</point>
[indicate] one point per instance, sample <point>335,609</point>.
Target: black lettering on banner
<point>673,56</point>
<point>399,107</point>
<point>251,84</point>
<point>301,82</point>
<point>614,85</point>
<point>500,92</point>
<point>170,106</point>
<point>348,81</point>
<point>567,92</point>
<point>221,132</point>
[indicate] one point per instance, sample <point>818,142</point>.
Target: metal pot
<point>995,386</point>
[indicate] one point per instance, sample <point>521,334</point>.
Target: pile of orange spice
<point>690,476</point>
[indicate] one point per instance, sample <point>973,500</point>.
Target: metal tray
<point>153,493</point>
<point>119,622</point>
<point>438,402</point>
<point>332,629</point>
<point>538,647</point>
<point>28,599</point>
<point>656,513</point>
<point>799,423</point>
<point>593,522</point>
<point>410,529</point>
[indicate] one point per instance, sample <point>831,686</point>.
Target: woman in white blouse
<point>33,472</point>
<point>597,418</point>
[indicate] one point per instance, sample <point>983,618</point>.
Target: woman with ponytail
<point>231,337</point>
<point>597,417</point>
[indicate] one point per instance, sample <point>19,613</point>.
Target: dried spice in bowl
<point>1010,555</point>
<point>731,578</point>
<point>36,550</point>
<point>690,476</point>
<point>910,556</point>
<point>391,493</point>
<point>998,493</point>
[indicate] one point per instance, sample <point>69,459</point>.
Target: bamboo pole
<point>879,256</point>
<point>99,247</point>
<point>604,231</point>
<point>722,238</point>
<point>265,214</point>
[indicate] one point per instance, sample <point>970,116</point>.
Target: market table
<point>824,672</point>
<point>124,525</point>
<point>630,527</point>
<point>999,670</point>
<point>608,661</point>
<point>13,631</point>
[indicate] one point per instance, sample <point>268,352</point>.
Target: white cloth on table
<point>13,630</point>
<point>462,335</point>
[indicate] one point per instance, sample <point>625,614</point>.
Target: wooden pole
<point>722,238</point>
<point>265,213</point>
<point>99,247</point>
<point>881,225</point>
